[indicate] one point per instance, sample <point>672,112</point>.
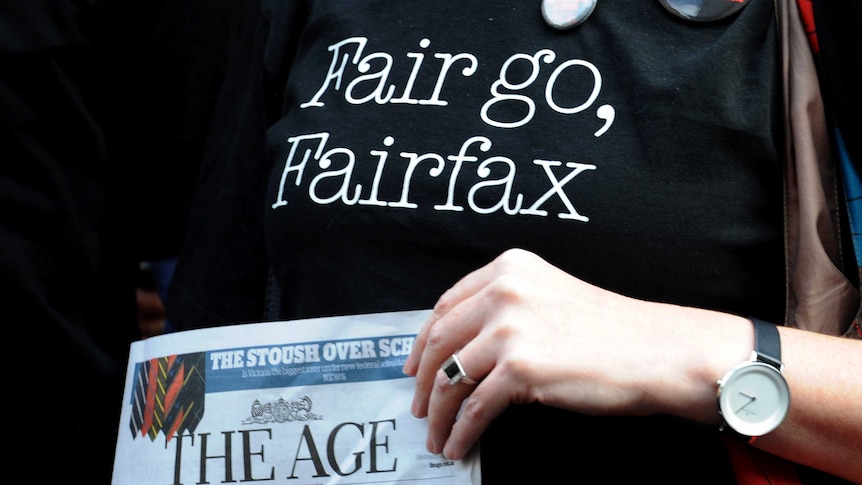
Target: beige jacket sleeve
<point>820,297</point>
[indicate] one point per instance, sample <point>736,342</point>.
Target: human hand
<point>529,332</point>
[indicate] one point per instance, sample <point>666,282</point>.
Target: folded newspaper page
<point>304,402</point>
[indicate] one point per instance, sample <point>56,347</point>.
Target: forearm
<point>824,426</point>
<point>511,320</point>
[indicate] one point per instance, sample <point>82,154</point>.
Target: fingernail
<point>407,367</point>
<point>448,455</point>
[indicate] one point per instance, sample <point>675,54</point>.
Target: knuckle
<point>517,369</point>
<point>474,408</point>
<point>505,332</point>
<point>441,306</point>
<point>436,338</point>
<point>508,289</point>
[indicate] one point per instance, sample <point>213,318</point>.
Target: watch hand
<point>751,399</point>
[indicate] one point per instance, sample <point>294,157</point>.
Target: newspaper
<point>304,402</point>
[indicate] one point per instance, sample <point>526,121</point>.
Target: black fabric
<point>651,214</point>
<point>66,276</point>
<point>838,28</point>
<point>839,39</point>
<point>225,231</point>
<point>231,243</point>
<point>668,218</point>
<point>176,71</point>
<point>65,271</point>
<point>535,444</point>
<point>97,125</point>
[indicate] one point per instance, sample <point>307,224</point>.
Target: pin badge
<point>703,10</point>
<point>565,14</point>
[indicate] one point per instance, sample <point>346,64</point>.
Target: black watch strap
<point>767,343</point>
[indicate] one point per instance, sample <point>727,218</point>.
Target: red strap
<point>756,467</point>
<point>806,12</point>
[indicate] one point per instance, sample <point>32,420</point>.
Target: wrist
<point>753,396</point>
<point>708,343</point>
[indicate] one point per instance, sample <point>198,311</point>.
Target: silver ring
<point>455,371</point>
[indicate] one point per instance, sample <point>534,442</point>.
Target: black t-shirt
<point>638,152</point>
<point>102,106</point>
<point>409,143</point>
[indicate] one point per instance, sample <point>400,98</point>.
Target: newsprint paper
<point>305,402</point>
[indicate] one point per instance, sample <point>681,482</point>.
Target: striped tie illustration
<point>168,396</point>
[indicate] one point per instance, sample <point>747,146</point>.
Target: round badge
<point>565,14</point>
<point>703,10</point>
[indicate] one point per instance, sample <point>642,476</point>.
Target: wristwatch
<point>753,397</point>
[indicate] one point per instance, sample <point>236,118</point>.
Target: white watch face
<point>753,398</point>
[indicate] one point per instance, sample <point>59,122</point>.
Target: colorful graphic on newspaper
<point>305,402</point>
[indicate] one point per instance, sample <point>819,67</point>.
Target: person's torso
<point>636,151</point>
